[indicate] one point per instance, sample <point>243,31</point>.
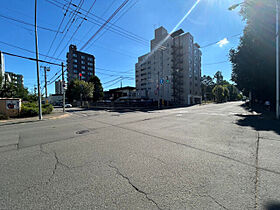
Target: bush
<point>4,117</point>
<point>31,109</point>
<point>47,108</point>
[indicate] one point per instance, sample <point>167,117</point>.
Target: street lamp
<point>277,52</point>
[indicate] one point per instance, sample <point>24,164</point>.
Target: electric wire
<point>30,24</point>
<point>107,21</point>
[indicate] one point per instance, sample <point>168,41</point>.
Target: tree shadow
<point>125,109</point>
<point>260,121</point>
<point>272,205</point>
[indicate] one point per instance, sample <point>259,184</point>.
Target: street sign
<point>161,81</point>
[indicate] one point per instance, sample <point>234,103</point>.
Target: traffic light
<point>80,76</point>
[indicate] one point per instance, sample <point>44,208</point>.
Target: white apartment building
<point>2,65</point>
<point>171,71</point>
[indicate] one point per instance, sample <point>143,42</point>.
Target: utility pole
<point>37,64</point>
<point>277,60</point>
<point>46,88</point>
<point>63,86</point>
<point>158,91</point>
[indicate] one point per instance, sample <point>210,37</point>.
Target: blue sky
<point>116,55</point>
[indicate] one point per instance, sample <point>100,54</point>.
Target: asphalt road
<point>216,156</point>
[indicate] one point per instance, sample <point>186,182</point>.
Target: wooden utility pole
<point>63,87</point>
<point>37,64</point>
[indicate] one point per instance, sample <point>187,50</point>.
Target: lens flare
<point>174,29</point>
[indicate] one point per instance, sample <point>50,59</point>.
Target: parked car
<point>68,105</point>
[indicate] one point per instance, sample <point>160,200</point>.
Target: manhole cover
<point>82,131</point>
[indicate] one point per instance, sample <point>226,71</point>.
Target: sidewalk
<point>54,115</point>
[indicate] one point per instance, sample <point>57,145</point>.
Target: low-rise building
<point>113,94</point>
<point>56,99</point>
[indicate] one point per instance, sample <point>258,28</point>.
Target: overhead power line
<point>73,34</point>
<point>30,51</point>
<point>30,24</point>
<point>71,19</point>
<point>116,29</point>
<point>51,82</point>
<point>107,21</point>
<point>214,43</point>
<point>59,28</point>
<point>117,82</point>
<point>106,29</point>
<point>208,64</point>
<point>104,20</point>
<point>33,59</point>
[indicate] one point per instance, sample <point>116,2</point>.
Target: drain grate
<point>82,131</point>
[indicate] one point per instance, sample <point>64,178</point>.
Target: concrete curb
<point>29,120</point>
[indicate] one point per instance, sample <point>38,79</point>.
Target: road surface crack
<point>57,162</point>
<point>257,170</point>
<point>136,188</point>
<point>221,205</point>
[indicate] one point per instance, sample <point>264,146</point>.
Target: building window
<point>75,60</point>
<point>90,64</point>
<point>83,72</point>
<point>90,68</point>
<point>75,66</point>
<point>74,55</point>
<point>75,71</point>
<point>83,67</point>
<point>82,57</point>
<point>90,59</point>
<point>82,62</point>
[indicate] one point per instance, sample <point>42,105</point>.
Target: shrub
<point>4,117</point>
<point>31,109</point>
<point>47,108</point>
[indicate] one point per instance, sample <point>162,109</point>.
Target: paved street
<point>216,156</point>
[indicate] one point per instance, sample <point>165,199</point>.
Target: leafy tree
<point>12,90</point>
<point>207,84</point>
<point>219,78</point>
<point>233,92</point>
<point>221,93</point>
<point>79,89</point>
<point>98,89</point>
<point>253,62</point>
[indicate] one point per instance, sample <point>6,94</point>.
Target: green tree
<point>221,93</point>
<point>207,84</point>
<point>233,92</point>
<point>98,89</point>
<point>253,62</point>
<point>219,78</point>
<point>79,89</point>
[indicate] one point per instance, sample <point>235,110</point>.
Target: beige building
<point>171,71</point>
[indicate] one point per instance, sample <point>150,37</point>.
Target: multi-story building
<point>14,78</point>
<point>58,87</point>
<point>79,65</point>
<point>2,65</point>
<point>171,71</point>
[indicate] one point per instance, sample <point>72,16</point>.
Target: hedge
<point>31,109</point>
